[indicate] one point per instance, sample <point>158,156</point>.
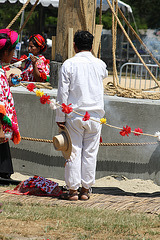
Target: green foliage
<point>46,16</point>
<point>146,13</point>
<point>51,20</point>
<point>7,13</point>
<point>106,20</point>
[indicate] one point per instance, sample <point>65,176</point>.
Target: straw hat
<point>62,142</point>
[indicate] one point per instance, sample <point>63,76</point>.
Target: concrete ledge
<point>38,121</point>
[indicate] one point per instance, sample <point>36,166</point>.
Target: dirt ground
<point>137,84</point>
<point>128,185</point>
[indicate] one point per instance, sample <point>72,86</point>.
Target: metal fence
<point>135,75</point>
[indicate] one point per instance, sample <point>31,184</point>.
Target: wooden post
<point>53,47</point>
<point>76,14</point>
<point>70,43</point>
<point>97,39</point>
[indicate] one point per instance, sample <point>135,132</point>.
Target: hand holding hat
<point>63,143</point>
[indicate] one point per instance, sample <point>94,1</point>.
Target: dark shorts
<point>5,159</point>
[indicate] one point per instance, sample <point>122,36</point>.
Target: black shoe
<point>5,175</point>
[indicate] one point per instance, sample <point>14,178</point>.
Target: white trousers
<point>85,135</point>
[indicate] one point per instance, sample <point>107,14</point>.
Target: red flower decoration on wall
<point>138,131</point>
<point>86,117</point>
<point>126,130</point>
<point>31,87</point>
<point>45,99</point>
<point>66,108</point>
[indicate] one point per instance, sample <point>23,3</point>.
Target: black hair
<point>83,40</point>
<point>36,44</point>
<point>8,45</point>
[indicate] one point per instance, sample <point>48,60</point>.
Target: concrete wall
<point>38,121</point>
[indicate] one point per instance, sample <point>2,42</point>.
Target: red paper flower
<point>31,87</point>
<point>43,75</point>
<point>47,61</point>
<point>66,108</point>
<point>126,130</point>
<point>138,131</point>
<point>86,117</point>
<point>45,99</point>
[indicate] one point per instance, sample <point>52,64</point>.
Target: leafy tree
<point>146,12</point>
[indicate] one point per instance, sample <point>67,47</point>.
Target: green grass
<point>70,222</point>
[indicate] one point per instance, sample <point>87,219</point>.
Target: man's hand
<point>61,124</point>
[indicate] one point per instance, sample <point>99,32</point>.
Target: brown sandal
<point>84,196</point>
<point>69,196</point>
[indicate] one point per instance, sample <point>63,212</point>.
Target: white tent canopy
<point>55,3</point>
<point>121,4</point>
<point>45,3</point>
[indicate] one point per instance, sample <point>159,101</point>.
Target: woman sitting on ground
<point>37,67</point>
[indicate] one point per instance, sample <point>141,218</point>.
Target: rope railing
<point>101,144</point>
<point>100,122</point>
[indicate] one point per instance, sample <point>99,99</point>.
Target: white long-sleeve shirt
<point>81,84</point>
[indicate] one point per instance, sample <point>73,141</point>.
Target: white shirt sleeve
<point>63,92</point>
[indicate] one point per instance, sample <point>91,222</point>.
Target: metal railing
<point>135,75</point>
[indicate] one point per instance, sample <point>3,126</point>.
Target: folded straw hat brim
<point>66,151</point>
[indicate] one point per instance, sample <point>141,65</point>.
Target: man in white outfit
<point>81,84</point>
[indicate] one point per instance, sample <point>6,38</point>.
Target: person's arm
<point>36,72</point>
<point>63,93</point>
